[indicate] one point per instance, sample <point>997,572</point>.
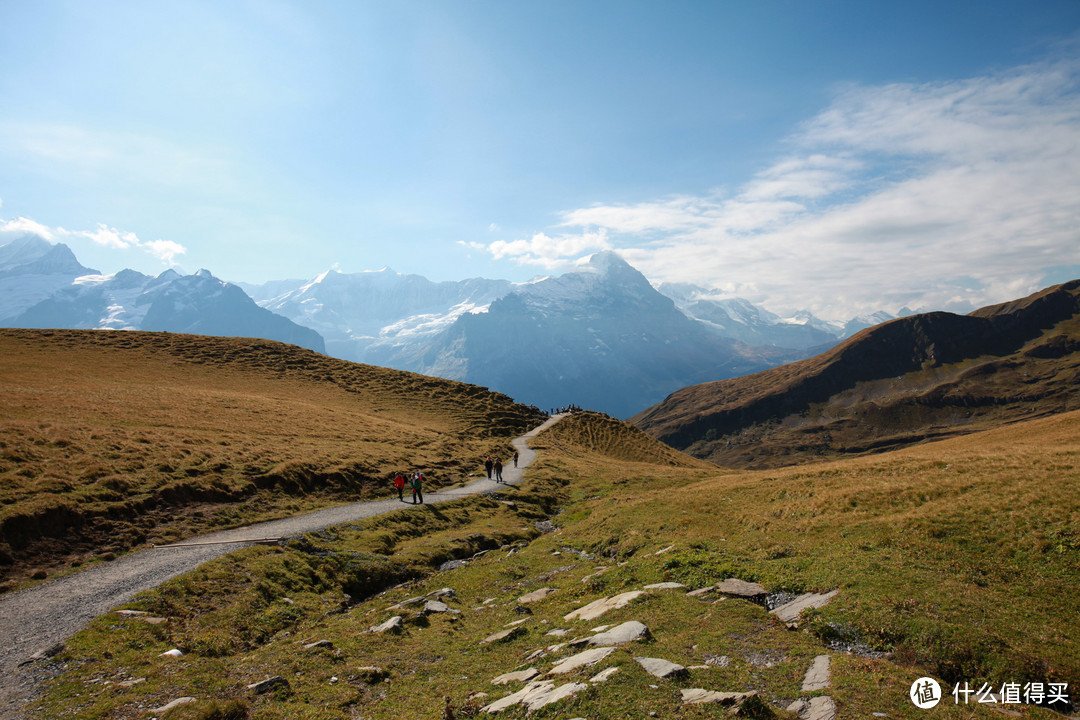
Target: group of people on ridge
<point>416,482</point>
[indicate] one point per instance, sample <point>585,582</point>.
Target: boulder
<point>534,696</point>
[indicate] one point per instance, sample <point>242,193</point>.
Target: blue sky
<point>836,156</point>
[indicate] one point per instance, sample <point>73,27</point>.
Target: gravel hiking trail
<point>34,622</point>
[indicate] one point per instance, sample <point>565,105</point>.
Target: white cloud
<point>944,195</point>
<point>550,252</point>
<point>26,225</point>
<point>110,237</point>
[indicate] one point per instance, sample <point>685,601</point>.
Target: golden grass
<point>160,432</point>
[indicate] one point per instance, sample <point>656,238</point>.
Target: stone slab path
<point>34,622</point>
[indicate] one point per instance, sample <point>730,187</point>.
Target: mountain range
<point>901,382</point>
<point>600,337</point>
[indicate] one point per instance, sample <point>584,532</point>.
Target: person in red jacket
<point>399,483</point>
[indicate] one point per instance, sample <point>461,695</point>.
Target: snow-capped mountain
<point>44,286</point>
<point>737,318</point>
<point>31,270</point>
<point>601,338</point>
<point>368,315</point>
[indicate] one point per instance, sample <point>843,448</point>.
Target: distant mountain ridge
<point>904,381</point>
<point>43,286</point>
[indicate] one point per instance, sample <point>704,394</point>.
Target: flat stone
<point>519,676</point>
<point>517,622</point>
<point>443,592</point>
<point>553,696</point>
<point>174,704</point>
<point>819,708</point>
<point>603,675</point>
<point>789,613</point>
<point>818,676</point>
<point>699,696</point>
<point>269,684</point>
<point>557,632</point>
<point>740,588</point>
<point>175,652</point>
<point>407,603</point>
<point>393,625</point>
<point>436,606</point>
<point>619,635</point>
<point>582,659</point>
<point>503,635</point>
<point>534,696</point>
<point>598,607</point>
<point>131,613</point>
<point>702,591</point>
<point>536,595</point>
<point>665,586</point>
<point>660,668</point>
<point>599,571</point>
<point>319,644</point>
<point>599,628</point>
<point>131,683</point>
<point>661,551</point>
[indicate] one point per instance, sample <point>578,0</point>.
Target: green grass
<point>959,558</point>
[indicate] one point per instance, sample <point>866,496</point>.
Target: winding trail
<point>35,621</point>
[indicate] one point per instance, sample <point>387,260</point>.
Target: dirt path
<point>35,621</point>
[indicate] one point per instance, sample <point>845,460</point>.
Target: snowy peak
<point>30,254</point>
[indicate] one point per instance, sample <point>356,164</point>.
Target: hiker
<point>488,466</point>
<point>515,458</point>
<point>417,487</point>
<point>399,483</point>
<point>498,470</point>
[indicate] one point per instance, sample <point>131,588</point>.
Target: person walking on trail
<point>418,487</point>
<point>515,458</point>
<point>399,483</point>
<point>488,465</point>
<point>498,470</point>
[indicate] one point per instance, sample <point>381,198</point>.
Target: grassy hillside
<point>956,558</point>
<point>110,440</point>
<point>906,381</point>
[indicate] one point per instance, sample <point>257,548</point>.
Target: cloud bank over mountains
<point>947,195</point>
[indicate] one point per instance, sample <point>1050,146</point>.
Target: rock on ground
<point>619,635</point>
<point>519,676</point>
<point>699,696</point>
<point>789,613</point>
<point>536,595</point>
<point>817,677</point>
<point>582,659</point>
<point>661,668</point>
<point>598,607</point>
<point>393,625</point>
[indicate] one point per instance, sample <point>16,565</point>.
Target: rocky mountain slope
<point>901,382</point>
<point>602,338</point>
